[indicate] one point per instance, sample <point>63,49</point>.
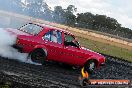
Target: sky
<point>118,9</point>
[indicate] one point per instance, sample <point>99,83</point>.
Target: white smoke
<point>6,49</point>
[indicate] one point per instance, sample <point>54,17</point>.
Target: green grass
<point>106,49</point>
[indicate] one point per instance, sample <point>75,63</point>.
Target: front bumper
<point>102,64</point>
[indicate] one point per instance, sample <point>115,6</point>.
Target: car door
<point>72,54</point>
<point>53,42</point>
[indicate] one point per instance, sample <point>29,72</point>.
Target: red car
<point>47,43</point>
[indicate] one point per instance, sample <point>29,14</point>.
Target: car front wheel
<point>90,66</point>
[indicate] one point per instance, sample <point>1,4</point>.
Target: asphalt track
<point>18,74</point>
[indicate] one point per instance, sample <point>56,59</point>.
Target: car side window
<point>31,28</point>
<point>68,38</point>
<point>47,36</point>
<point>28,28</point>
<point>53,36</point>
<point>36,29</point>
<point>70,41</point>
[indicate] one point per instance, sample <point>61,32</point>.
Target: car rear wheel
<point>90,66</point>
<point>38,56</point>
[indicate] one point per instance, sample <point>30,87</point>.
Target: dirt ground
<point>15,74</point>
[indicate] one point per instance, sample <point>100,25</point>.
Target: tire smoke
<point>6,49</point>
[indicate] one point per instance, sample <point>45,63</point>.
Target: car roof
<point>52,27</point>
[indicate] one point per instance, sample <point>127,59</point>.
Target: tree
<point>71,9</point>
<point>70,17</point>
<point>58,14</point>
<point>46,12</point>
<point>85,20</point>
<point>38,8</point>
<point>33,7</point>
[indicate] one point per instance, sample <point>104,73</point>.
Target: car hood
<point>16,32</point>
<point>91,53</point>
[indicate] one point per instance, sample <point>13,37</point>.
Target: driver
<point>54,36</point>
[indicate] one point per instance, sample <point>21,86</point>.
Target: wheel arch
<point>41,48</point>
<point>95,60</point>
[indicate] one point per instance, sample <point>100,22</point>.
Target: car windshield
<point>31,29</point>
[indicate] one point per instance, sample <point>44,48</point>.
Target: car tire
<point>38,56</point>
<point>90,66</point>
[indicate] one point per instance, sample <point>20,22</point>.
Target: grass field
<point>106,49</point>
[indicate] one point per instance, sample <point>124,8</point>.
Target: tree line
<point>87,20</point>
